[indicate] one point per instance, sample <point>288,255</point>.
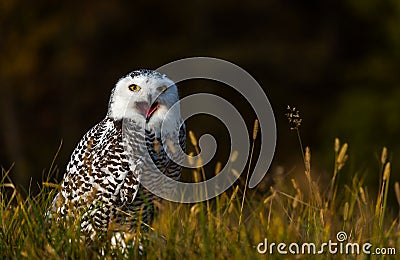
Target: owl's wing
<point>98,168</point>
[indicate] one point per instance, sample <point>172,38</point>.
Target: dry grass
<point>229,226</point>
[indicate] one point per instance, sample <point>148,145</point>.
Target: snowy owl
<point>104,177</point>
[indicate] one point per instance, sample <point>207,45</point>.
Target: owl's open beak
<point>143,108</point>
<point>152,109</point>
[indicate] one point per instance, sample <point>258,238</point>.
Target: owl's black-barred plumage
<point>103,179</point>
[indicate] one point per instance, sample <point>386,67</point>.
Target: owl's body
<point>103,179</point>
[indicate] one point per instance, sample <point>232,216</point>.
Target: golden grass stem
<point>193,140</point>
<point>381,202</point>
<point>301,144</point>
<point>255,131</point>
<point>340,160</point>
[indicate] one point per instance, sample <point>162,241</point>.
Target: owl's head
<point>144,96</point>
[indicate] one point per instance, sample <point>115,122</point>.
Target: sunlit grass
<point>295,209</point>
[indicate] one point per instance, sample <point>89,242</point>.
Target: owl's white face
<point>144,96</point>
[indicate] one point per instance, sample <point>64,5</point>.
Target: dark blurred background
<point>336,61</point>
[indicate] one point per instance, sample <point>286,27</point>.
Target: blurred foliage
<point>336,60</point>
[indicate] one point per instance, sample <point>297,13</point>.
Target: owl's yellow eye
<point>134,87</point>
<point>163,88</point>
